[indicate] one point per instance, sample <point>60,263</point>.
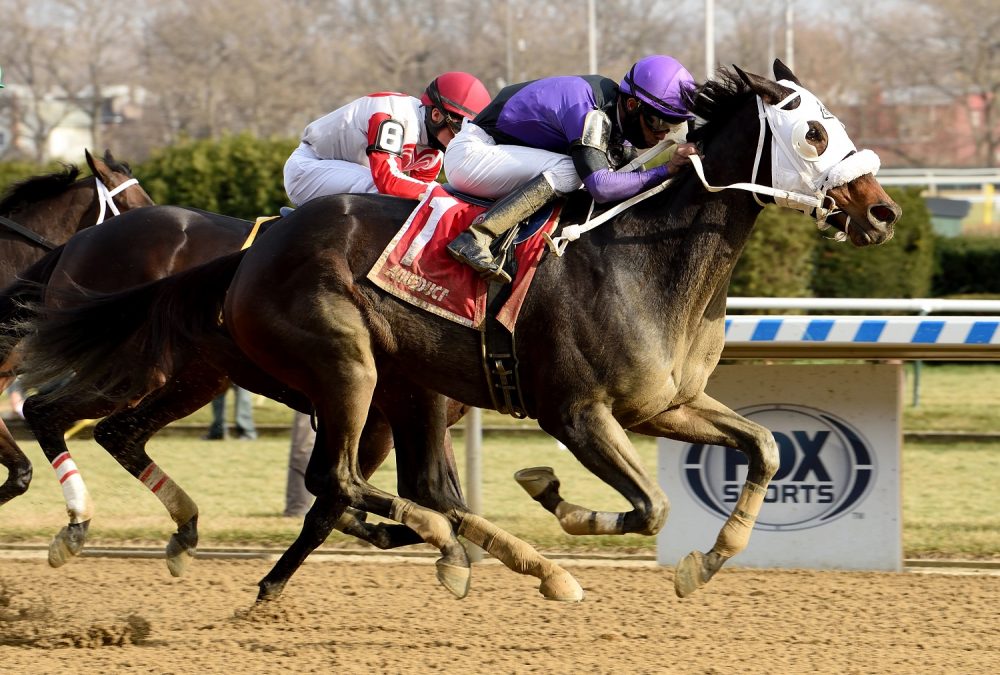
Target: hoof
<point>269,591</point>
<point>178,557</point>
<point>689,576</point>
<point>536,479</point>
<point>561,586</point>
<point>68,543</point>
<point>455,579</point>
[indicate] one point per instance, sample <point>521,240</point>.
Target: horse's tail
<point>121,346</point>
<point>18,299</point>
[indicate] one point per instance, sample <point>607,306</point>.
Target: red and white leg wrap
<point>78,503</point>
<point>180,507</point>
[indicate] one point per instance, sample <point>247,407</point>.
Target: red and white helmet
<point>457,93</point>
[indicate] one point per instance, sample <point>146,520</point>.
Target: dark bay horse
<point>136,247</point>
<point>127,251</point>
<point>619,333</point>
<point>55,206</point>
<point>42,212</point>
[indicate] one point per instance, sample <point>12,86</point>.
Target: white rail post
<point>474,469</point>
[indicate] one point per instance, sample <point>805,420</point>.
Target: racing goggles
<point>657,121</point>
<point>454,123</point>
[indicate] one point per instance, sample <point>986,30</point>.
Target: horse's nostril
<point>883,213</point>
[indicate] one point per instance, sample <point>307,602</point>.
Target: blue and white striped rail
<point>943,338</point>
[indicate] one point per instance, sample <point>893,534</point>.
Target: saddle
<point>416,268</point>
<point>502,247</point>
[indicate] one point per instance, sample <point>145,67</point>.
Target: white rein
<point>814,204</point>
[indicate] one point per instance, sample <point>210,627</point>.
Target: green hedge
<point>238,176</point>
<point>785,257</point>
<point>778,258</point>
<point>967,265</point>
<point>901,268</point>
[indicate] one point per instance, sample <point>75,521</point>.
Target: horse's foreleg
<point>49,418</point>
<point>18,467</point>
<point>17,464</point>
<point>600,444</point>
<point>705,420</point>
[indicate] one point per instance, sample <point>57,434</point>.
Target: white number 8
<point>390,137</point>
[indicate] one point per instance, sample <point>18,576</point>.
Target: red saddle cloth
<point>415,266</point>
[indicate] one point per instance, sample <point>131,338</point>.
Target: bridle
<point>105,200</point>
<point>790,166</point>
<point>106,197</point>
<point>794,168</point>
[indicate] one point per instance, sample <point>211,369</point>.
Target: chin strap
<point>105,197</point>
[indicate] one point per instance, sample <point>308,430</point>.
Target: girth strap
<point>499,357</point>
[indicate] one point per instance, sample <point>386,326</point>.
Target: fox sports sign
<point>826,470</point>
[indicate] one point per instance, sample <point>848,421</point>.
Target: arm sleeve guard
<point>609,186</point>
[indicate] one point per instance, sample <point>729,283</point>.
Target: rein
<point>31,236</point>
<point>814,205</point>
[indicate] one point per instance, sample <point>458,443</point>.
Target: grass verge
<point>950,505</point>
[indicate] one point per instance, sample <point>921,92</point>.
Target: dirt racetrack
<point>99,615</point>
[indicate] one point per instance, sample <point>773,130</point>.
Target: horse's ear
<point>783,72</point>
<point>771,92</point>
<point>98,166</point>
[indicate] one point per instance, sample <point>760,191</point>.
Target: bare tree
<point>63,56</point>
<point>946,49</point>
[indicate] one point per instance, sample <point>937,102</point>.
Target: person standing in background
<point>243,406</point>
<point>297,498</point>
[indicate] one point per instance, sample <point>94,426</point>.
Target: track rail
<point>355,554</point>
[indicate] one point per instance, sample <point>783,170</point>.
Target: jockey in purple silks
<point>541,139</point>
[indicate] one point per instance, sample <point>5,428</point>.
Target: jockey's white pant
<point>307,176</point>
<point>475,164</point>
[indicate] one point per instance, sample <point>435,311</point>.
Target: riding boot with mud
<point>472,247</point>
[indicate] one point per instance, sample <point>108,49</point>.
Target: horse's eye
<point>808,139</point>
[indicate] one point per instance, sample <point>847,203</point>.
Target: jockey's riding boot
<point>472,247</point>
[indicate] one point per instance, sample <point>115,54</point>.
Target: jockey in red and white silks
<point>385,142</point>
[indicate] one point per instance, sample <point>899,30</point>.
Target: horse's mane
<point>716,101</point>
<point>38,188</point>
<point>117,166</point>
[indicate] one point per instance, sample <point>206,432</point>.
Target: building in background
<point>53,127</point>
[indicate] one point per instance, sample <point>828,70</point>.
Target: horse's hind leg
<point>705,420</point>
<point>427,473</point>
<point>304,327</point>
<point>453,569</point>
<point>326,514</point>
<point>124,435</point>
